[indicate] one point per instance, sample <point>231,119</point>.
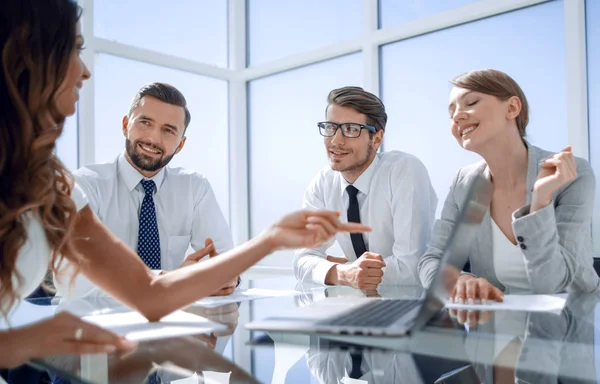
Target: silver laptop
<point>393,317</point>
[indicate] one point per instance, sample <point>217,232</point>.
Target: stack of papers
<point>136,327</point>
<point>130,324</point>
<point>526,303</point>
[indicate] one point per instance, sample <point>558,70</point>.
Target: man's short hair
<point>362,102</point>
<point>165,93</point>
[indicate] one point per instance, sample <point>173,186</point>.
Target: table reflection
<point>334,362</point>
<point>195,357</point>
<point>536,347</point>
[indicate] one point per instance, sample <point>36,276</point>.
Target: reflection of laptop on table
<point>392,317</point>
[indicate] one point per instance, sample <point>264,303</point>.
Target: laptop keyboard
<point>378,313</point>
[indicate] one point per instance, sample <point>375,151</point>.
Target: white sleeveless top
<point>34,257</point>
<point>509,263</point>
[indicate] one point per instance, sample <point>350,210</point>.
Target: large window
<point>289,70</point>
<point>192,29</point>
<point>277,29</point>
<point>593,77</point>
<point>416,73</point>
<point>286,149</point>
<point>392,12</point>
<point>206,148</point>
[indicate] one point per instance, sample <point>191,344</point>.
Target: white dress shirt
<point>395,199</point>
<point>187,212</point>
<point>331,365</point>
<point>35,255</point>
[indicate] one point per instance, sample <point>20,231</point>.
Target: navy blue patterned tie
<point>148,239</point>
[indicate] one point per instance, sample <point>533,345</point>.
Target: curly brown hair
<point>37,38</point>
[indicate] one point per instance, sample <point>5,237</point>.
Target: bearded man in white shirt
<point>158,211</point>
<point>390,191</point>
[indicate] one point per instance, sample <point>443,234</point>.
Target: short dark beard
<point>143,162</point>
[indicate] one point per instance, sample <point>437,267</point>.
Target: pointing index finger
<point>354,228</point>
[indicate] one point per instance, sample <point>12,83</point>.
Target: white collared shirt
<point>396,199</point>
<point>35,255</point>
<point>334,365</point>
<point>187,211</point>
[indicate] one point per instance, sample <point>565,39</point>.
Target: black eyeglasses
<point>328,129</point>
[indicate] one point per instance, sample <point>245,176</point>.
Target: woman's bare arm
<point>114,267</point>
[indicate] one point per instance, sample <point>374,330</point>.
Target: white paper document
<point>211,377</point>
<point>529,303</point>
<point>244,295</point>
<point>136,327</point>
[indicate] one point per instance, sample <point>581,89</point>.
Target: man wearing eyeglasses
<point>390,191</point>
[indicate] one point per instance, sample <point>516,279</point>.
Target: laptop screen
<point>457,248</point>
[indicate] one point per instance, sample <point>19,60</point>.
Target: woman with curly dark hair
<point>44,217</point>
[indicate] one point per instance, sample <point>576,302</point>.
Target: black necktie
<point>356,371</point>
<point>153,378</point>
<point>358,243</point>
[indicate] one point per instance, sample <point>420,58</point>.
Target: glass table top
<point>528,347</point>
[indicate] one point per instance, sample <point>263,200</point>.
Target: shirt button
<point>523,246</point>
<point>520,239</point>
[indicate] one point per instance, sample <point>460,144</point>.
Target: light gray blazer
<point>556,241</point>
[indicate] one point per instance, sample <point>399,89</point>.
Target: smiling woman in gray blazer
<point>536,235</point>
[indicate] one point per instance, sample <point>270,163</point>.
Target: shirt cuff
<point>319,273</point>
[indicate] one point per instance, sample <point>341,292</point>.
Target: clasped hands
<point>364,273</point>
